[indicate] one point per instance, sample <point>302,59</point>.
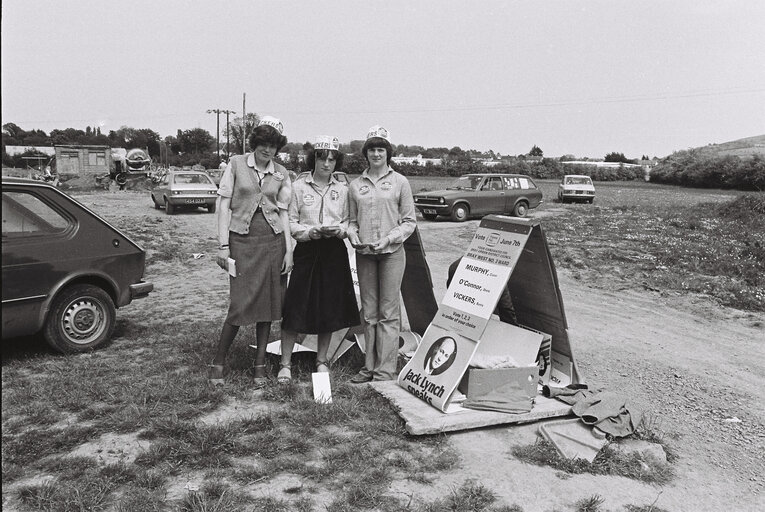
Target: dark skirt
<point>320,296</point>
<point>257,291</point>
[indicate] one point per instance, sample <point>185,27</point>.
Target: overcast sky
<point>573,77</point>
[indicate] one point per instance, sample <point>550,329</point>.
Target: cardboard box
<point>521,382</point>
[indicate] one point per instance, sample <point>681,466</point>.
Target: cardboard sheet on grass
<point>505,252</point>
<point>416,294</point>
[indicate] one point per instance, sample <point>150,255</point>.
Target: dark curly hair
<point>377,142</point>
<point>313,154</point>
<point>265,134</point>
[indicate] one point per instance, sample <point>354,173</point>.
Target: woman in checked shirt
<point>381,218</point>
<point>320,297</point>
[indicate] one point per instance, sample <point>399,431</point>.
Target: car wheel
<point>81,318</point>
<point>157,206</point>
<point>460,212</point>
<point>591,200</point>
<point>429,216</point>
<point>521,209</point>
<point>211,208</point>
<point>169,208</point>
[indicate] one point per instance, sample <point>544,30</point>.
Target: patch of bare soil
<point>697,369</point>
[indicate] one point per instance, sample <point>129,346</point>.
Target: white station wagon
<point>574,187</point>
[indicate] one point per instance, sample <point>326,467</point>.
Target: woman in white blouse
<point>320,298</point>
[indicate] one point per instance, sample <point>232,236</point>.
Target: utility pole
<point>217,126</point>
<point>244,125</point>
<point>228,132</point>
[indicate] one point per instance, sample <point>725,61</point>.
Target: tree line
<point>198,146</point>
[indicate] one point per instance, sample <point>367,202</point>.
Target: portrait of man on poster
<point>440,356</point>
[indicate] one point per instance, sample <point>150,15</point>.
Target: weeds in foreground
<point>591,504</point>
<point>608,462</point>
<point>470,497</point>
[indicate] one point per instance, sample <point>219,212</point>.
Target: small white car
<point>574,187</point>
<point>185,189</point>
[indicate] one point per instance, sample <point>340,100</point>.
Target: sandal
<point>215,374</point>
<point>285,374</point>
<point>262,380</point>
<point>322,366</point>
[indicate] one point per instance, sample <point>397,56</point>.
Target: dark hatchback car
<point>65,269</point>
<point>476,195</point>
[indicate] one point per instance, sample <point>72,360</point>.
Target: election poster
<point>481,276</point>
<point>437,366</point>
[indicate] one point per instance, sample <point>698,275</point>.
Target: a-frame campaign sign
<point>505,252</point>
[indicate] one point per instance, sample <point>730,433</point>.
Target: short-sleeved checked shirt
<point>250,191</point>
<point>311,206</point>
<point>380,208</point>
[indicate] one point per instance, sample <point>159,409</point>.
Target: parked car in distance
<point>185,189</point>
<point>476,195</point>
<point>575,187</point>
<point>65,269</point>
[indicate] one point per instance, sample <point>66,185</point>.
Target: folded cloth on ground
<point>569,394</point>
<point>490,362</point>
<point>610,412</point>
<point>510,398</point>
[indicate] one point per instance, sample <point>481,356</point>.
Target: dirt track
<point>697,369</point>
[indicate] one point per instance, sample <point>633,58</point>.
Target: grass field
<point>146,395</point>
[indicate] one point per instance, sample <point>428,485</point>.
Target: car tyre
<point>169,208</point>
<point>460,212</point>
<point>429,216</point>
<point>591,200</point>
<point>521,209</point>
<point>82,317</point>
<point>211,208</point>
<point>157,206</point>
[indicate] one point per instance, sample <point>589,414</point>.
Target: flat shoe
<point>285,374</point>
<point>215,374</point>
<point>360,378</point>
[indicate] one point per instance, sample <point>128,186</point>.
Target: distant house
<point>415,160</point>
<point>599,164</point>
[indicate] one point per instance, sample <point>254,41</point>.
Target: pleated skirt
<point>257,292</point>
<point>320,297</point>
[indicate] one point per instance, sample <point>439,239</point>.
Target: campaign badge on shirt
<point>278,175</point>
<point>308,199</point>
<point>364,190</point>
<point>334,195</point>
<point>386,185</point>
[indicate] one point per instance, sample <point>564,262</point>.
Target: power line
<point>453,108</point>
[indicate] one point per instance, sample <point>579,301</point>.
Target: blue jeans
<point>380,278</point>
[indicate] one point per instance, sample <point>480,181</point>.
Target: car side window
<point>525,183</point>
<point>25,214</point>
<point>492,183</point>
<point>512,183</point>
